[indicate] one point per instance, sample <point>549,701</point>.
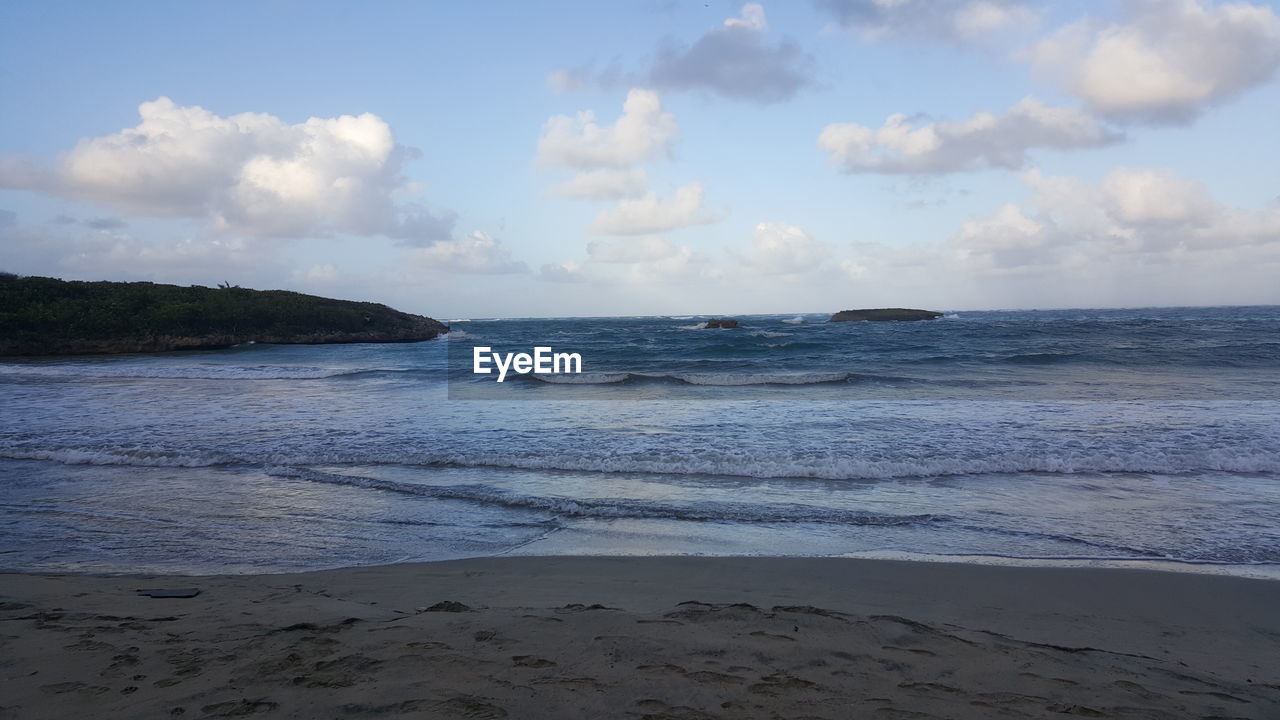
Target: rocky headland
<point>46,316</point>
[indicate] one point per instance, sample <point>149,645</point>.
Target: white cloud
<point>562,273</point>
<point>650,214</point>
<point>752,18</point>
<point>1008,237</point>
<point>325,274</point>
<point>982,141</point>
<point>1147,196</point>
<point>961,21</point>
<point>605,184</point>
<point>735,61</point>
<point>780,249</point>
<point>645,249</point>
<point>99,223</point>
<point>563,82</point>
<point>250,174</point>
<point>1168,61</point>
<point>643,133</point>
<point>477,253</point>
<point>678,268</point>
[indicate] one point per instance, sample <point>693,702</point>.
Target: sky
<point>640,157</point>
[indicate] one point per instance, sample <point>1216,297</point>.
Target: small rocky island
<point>884,314</point>
<point>46,316</point>
<point>721,323</point>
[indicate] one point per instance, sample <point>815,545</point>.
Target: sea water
<point>1119,436</point>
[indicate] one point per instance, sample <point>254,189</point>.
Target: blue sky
<point>738,157</point>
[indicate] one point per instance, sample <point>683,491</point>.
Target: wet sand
<point>652,637</point>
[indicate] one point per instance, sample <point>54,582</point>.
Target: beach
<point>999,514</point>
<point>644,637</point>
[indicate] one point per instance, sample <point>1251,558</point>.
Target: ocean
<point>1144,437</point>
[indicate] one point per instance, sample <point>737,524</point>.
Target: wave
<point>1047,358</point>
<point>797,320</point>
<point>134,458</point>
<point>695,326</point>
<point>768,334</point>
<point>718,379</point>
<point>198,372</point>
<point>710,462</point>
<point>616,507</point>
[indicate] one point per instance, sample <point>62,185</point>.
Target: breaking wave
<point>616,507</point>
<point>722,379</point>
<point>713,462</point>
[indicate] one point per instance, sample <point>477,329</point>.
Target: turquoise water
<point>1148,435</point>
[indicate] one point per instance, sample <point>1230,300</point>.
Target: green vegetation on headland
<point>46,316</point>
<point>882,314</point>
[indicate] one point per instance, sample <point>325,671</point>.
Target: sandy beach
<point>645,638</point>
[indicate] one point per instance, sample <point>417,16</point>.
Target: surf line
<point>543,360</point>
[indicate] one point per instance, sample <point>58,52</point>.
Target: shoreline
<point>663,637</point>
<point>1258,571</point>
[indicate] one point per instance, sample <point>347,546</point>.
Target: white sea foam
<point>797,320</point>
<point>584,378</point>
<point>695,326</point>
<point>734,379</point>
<point>90,456</point>
<point>768,334</point>
<point>711,462</point>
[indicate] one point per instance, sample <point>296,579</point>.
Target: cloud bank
<point>1145,213</point>
<point>981,142</point>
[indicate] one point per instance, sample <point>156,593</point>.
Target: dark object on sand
<point>722,323</point>
<point>883,314</point>
<point>171,593</point>
<point>448,606</point>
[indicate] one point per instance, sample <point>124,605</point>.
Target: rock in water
<point>722,323</point>
<point>883,314</point>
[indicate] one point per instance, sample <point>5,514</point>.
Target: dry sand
<point>645,638</point>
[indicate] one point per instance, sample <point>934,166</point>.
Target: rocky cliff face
<point>884,314</point>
